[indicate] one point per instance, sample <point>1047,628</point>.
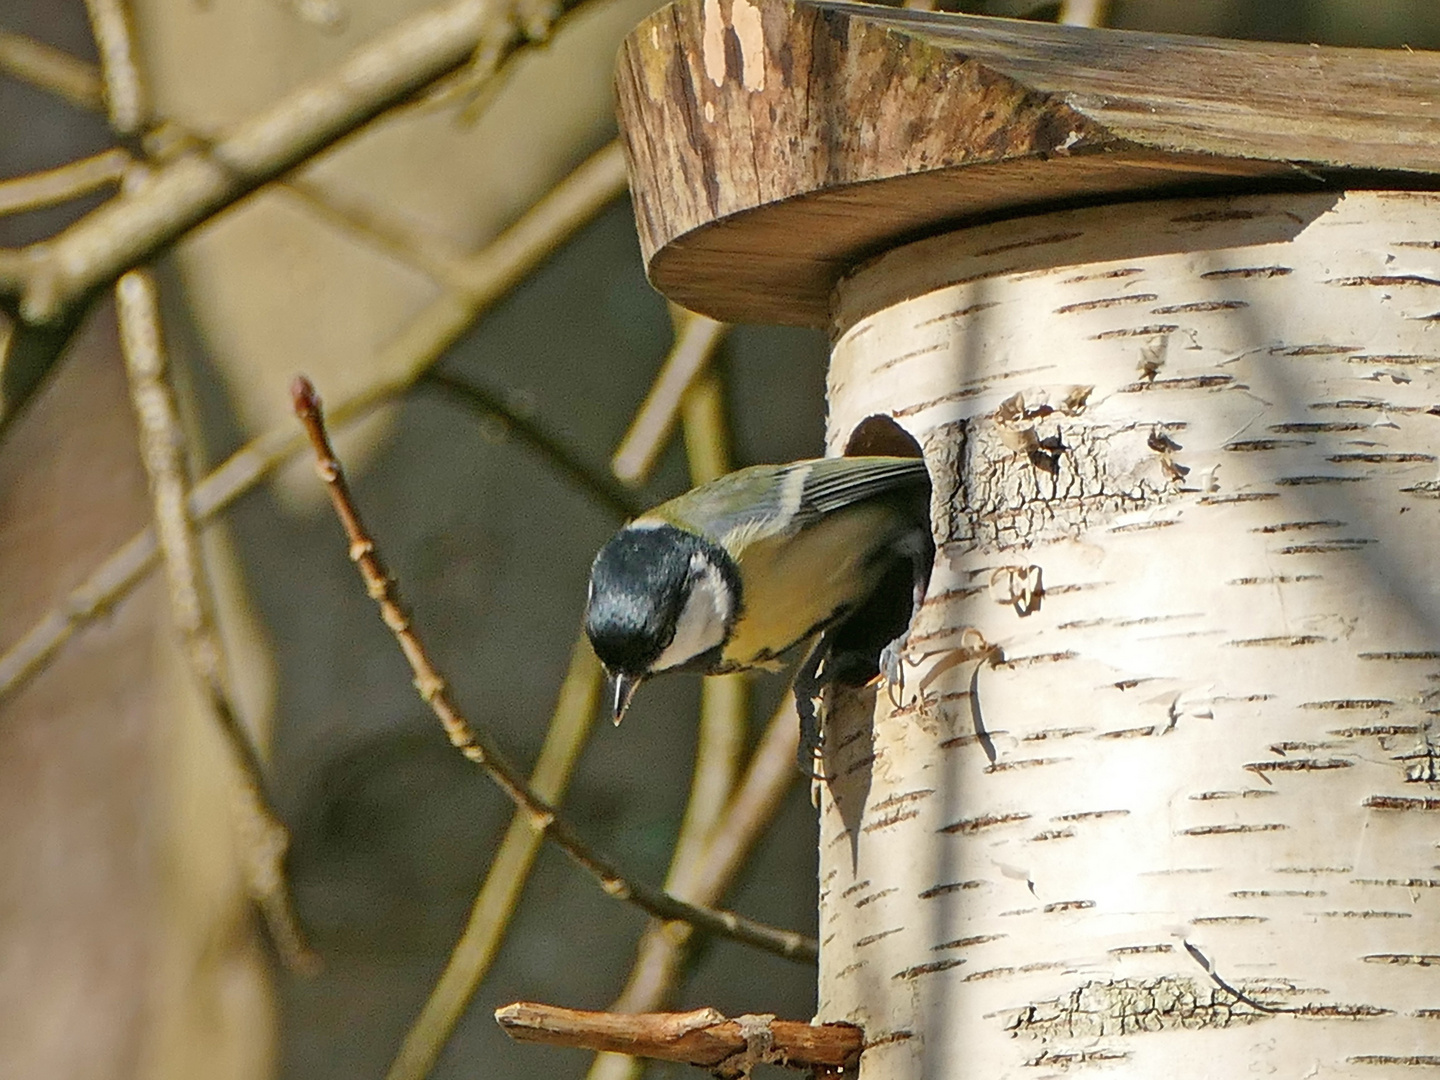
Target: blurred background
<point>126,946</point>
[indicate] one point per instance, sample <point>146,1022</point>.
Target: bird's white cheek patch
<point>702,622</point>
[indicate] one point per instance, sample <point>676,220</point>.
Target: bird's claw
<point>892,669</point>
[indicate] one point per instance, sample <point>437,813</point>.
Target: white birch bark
<point>1182,821</point>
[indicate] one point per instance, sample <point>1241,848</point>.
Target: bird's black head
<point>646,581</point>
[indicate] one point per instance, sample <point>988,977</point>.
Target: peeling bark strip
<point>776,143</point>
<point>1170,772</point>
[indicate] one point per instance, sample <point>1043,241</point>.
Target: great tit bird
<point>739,571</point>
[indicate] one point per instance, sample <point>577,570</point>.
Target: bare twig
<point>513,254</point>
<point>63,183</point>
<point>592,481</point>
<point>477,746</point>
<point>51,69</point>
<point>47,284</point>
<point>706,430</point>
<point>162,444</point>
<point>695,343</point>
<point>704,1037</point>
<point>430,255</point>
<point>501,264</point>
<point>374,78</point>
<point>490,915</point>
<point>124,98</point>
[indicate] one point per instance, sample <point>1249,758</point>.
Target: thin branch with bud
<point>477,746</point>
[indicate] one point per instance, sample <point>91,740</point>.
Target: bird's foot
<point>892,668</point>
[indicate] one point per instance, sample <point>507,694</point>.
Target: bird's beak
<point>624,687</point>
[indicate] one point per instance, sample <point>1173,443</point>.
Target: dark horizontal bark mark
<point>1052,834</point>
<point>1106,302</point>
<point>946,890</point>
<point>1278,642</point>
<point>1153,330</point>
<point>1246,272</point>
<point>1228,920</point>
<point>1299,765</point>
<point>1140,950</point>
<point>1068,905</point>
<point>1382,459</point>
<point>1188,382</point>
<point>966,942</point>
<point>866,901</point>
<point>905,797</point>
<point>953,316</point>
<point>1023,763</point>
<point>1401,802</point>
<point>1326,547</point>
<point>1319,348</point>
<point>970,826</point>
<point>1250,445</point>
<point>1298,526</point>
<point>1274,579</point>
<point>1317,427</point>
<point>1384,279</point>
<point>927,969</point>
<point>1251,793</point>
<point>1199,307</point>
<point>888,820</point>
<point>1105,275</point>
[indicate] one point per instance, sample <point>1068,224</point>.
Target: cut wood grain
<point>774,145</point>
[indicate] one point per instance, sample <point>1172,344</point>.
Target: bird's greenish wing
<point>835,483</point>
<point>764,500</point>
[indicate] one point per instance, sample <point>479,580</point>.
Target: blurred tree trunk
<point>1173,806</point>
<point>128,943</point>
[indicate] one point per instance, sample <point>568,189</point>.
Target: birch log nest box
<point>1160,797</point>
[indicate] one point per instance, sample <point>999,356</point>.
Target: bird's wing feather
<point>762,500</point>
<point>835,483</point>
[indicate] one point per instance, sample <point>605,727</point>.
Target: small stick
<point>696,339</point>
<point>64,182</point>
<point>264,839</point>
<point>124,97</point>
<point>490,273</point>
<point>704,1037</point>
<point>48,68</point>
<point>477,745</point>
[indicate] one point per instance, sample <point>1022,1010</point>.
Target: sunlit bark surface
<point>1172,810</point>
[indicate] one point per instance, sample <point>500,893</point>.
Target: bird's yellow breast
<point>793,586</point>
